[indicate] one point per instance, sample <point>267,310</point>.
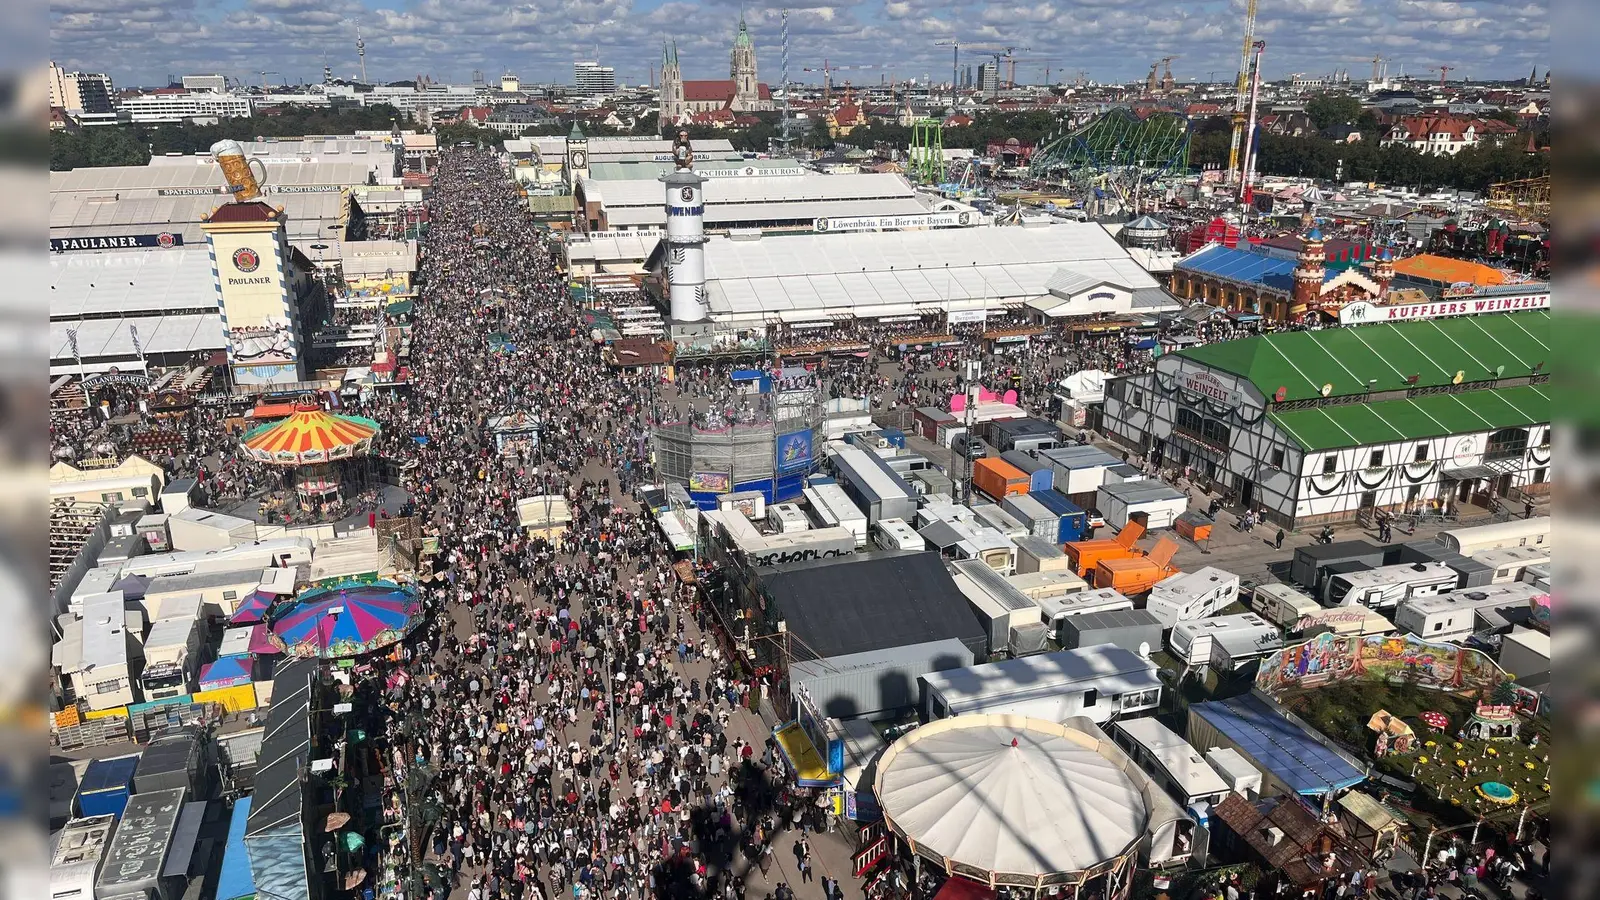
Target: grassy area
<point>1447,771</point>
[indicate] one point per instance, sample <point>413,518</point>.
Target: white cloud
<point>141,41</point>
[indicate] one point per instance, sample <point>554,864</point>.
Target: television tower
<point>361,51</point>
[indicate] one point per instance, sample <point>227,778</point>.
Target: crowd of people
<point>587,737</point>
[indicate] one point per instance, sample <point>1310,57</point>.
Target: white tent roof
<point>1009,794</point>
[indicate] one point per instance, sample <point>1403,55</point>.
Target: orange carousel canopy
<point>311,435</point>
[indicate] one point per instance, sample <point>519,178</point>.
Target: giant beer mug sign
<point>240,170</point>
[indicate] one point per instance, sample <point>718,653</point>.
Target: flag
<point>72,341</point>
<point>133,332</point>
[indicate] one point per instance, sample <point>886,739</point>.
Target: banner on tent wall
<point>237,698</point>
<point>1398,658</point>
<point>794,450</point>
<point>711,482</point>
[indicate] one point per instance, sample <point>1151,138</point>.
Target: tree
<point>1326,110</point>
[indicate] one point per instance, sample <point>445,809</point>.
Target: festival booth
<point>1368,824</point>
<point>516,434</point>
<point>545,516</point>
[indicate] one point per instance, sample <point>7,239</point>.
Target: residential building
<point>81,92</point>
<point>1446,135</point>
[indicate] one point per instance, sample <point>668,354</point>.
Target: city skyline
<point>141,42</point>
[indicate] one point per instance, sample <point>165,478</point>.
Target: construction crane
<point>955,66</point>
<point>955,45</point>
<point>1011,64</point>
<point>264,82</point>
<point>827,75</point>
<point>1444,72</point>
<point>1241,87</point>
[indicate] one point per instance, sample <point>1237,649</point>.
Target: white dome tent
<point>1010,801</point>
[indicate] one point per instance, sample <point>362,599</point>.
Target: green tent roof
<point>1436,415</point>
<point>1434,350</point>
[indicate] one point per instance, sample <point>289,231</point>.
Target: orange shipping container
<point>1131,576</point>
<point>998,479</point>
<point>1085,556</point>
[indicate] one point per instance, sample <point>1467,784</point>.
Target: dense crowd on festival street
<point>587,736</point>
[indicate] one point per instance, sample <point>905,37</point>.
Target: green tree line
<point>133,145</point>
<point>1473,169</point>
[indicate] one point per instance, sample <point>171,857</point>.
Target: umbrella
<point>353,841</point>
<point>253,608</point>
<point>1436,720</point>
<point>225,671</point>
<point>345,619</point>
<point>311,435</point>
<point>336,821</point>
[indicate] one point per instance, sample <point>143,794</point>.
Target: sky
<point>141,42</point>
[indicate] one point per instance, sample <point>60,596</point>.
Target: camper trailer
<point>1475,539</point>
<point>1454,616</point>
<point>1388,586</point>
<point>896,534</point>
<point>1281,604</point>
<point>1192,595</point>
<point>1223,642</point>
<point>1511,563</point>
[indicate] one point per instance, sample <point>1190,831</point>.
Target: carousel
<point>318,447</point>
<point>343,619</point>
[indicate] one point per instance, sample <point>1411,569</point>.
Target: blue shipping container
<point>1074,521</point>
<point>106,785</point>
<point>895,437</point>
<point>1040,476</point>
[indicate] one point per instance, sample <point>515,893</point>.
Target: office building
<point>590,79</point>
<point>176,105</point>
<point>217,84</point>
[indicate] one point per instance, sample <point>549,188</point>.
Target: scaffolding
<point>1527,199</point>
<point>1118,143</point>
<point>927,152</point>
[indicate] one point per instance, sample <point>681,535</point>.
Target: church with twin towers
<point>741,92</point>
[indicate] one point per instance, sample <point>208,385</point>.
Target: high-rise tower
<point>686,236</point>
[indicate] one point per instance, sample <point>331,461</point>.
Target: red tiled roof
<point>703,91</point>
<point>250,211</point>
